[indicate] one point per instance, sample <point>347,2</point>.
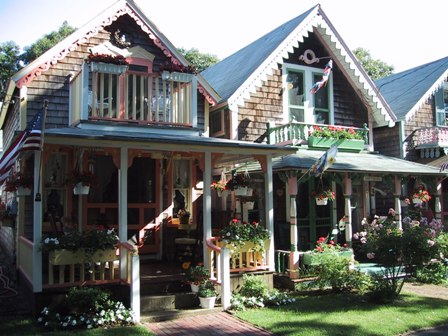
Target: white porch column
<point>122,209</point>
<point>207,207</point>
<point>397,195</point>
<point>37,225</point>
<point>334,216</point>
<point>294,254</point>
<point>348,208</point>
<point>226,293</point>
<point>193,103</point>
<point>437,203</point>
<point>269,206</point>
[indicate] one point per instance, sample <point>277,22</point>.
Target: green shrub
<point>253,286</point>
<point>434,273</point>
<point>383,289</point>
<point>334,271</point>
<point>86,308</point>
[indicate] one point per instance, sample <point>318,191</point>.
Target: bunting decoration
<point>325,77</point>
<point>28,140</point>
<point>324,162</point>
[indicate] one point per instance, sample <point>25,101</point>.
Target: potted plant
<point>346,138</point>
<point>322,197</point>
<point>239,182</point>
<point>195,276</point>
<point>81,182</point>
<point>239,233</point>
<point>207,295</point>
<point>184,216</point>
<point>420,195</point>
<point>220,187</point>
<point>19,183</point>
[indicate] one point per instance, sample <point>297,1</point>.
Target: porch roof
<point>179,140</point>
<point>363,162</point>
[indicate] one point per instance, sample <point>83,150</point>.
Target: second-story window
<point>441,105</point>
<point>299,104</point>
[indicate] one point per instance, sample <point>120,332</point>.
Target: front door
<point>313,221</point>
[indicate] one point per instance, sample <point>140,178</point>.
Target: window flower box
<point>66,257</point>
<point>354,145</point>
<point>108,68</point>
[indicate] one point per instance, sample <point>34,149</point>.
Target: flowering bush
<point>86,308</point>
<point>238,233</point>
<point>219,185</point>
<point>171,67</point>
<point>335,132</point>
<point>197,275</point>
<point>323,245</point>
<point>396,249</point>
<point>106,58</point>
<point>331,195</point>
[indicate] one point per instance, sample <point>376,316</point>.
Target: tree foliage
<point>11,60</point>
<point>200,61</point>
<point>45,43</point>
<point>9,64</point>
<point>375,68</point>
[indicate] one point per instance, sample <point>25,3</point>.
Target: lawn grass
<point>349,315</point>
<point>25,327</point>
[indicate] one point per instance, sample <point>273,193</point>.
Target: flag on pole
<point>29,139</point>
<point>324,162</point>
<point>325,77</point>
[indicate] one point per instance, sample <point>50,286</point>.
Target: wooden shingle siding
<point>265,105</point>
<point>386,140</point>
<point>53,84</point>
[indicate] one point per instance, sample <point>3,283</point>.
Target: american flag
<point>325,77</point>
<point>29,139</point>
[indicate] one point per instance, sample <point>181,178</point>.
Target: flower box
<point>80,189</point>
<point>109,68</point>
<point>343,144</point>
<point>249,205</point>
<point>66,257</point>
<point>247,247</point>
<point>321,201</point>
<point>23,191</point>
<point>104,255</point>
<point>313,258</point>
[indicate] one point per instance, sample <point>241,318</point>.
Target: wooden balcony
<point>297,133</point>
<point>163,99</point>
<point>431,137</point>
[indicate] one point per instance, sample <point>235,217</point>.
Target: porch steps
<point>172,314</point>
<point>151,303</point>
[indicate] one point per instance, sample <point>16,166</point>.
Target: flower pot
<point>321,201</point>
<point>23,191</point>
<point>114,69</point>
<point>184,220</point>
<point>222,193</point>
<point>80,189</point>
<point>194,288</point>
<point>249,205</point>
<point>416,200</point>
<point>403,203</point>
<point>241,191</point>
<point>207,303</point>
<point>250,191</point>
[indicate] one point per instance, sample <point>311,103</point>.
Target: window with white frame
<point>299,103</point>
<point>441,105</point>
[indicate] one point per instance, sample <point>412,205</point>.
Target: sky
<point>398,32</point>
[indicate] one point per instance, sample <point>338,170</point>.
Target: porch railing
<point>132,97</point>
<point>431,137</point>
<point>297,133</point>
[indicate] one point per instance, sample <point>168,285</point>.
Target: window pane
<point>321,96</point>
<point>296,114</point>
<point>321,117</point>
<point>295,87</point>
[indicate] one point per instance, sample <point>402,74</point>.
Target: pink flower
<point>371,255</point>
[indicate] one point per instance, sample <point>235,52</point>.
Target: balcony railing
<point>167,99</point>
<point>297,133</point>
<point>431,137</point>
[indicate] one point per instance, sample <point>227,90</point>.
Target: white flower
<point>430,242</point>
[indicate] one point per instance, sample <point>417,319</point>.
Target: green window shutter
<point>440,107</point>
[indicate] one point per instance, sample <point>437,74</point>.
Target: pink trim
<point>206,95</point>
<point>211,245</point>
<point>139,61</point>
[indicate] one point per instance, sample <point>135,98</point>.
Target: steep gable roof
<point>235,77</point>
<point>83,34</point>
<point>407,91</point>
